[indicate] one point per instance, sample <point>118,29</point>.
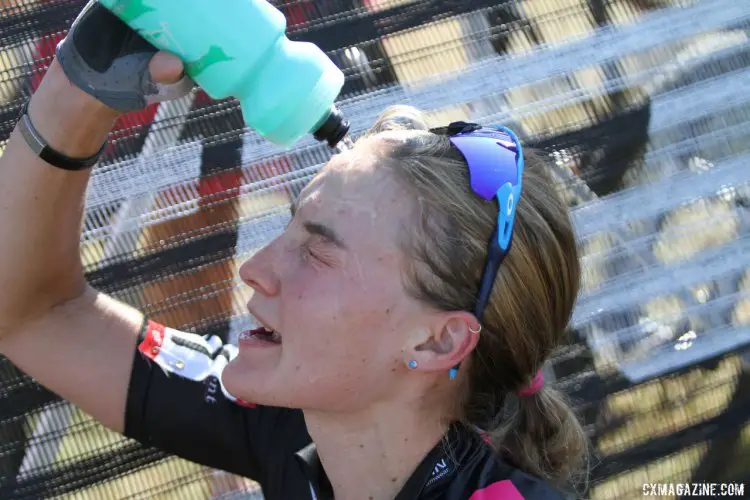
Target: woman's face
<point>331,286</point>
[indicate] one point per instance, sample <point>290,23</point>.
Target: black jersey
<point>176,402</point>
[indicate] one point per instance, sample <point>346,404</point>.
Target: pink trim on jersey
<point>502,490</point>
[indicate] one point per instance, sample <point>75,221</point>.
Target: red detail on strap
<point>502,490</point>
<point>244,403</point>
<point>153,340</point>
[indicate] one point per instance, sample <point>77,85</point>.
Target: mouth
<point>262,333</point>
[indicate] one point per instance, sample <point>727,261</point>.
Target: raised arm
<point>73,340</point>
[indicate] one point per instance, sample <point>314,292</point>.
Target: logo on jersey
<point>212,389</point>
<point>442,469</point>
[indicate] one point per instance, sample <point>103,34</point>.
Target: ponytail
<point>540,434</point>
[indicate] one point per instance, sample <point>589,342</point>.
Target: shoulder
<point>468,468</point>
<point>200,361</point>
<point>176,390</point>
<point>500,480</point>
<point>487,476</point>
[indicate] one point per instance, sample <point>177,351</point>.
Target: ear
<point>452,337</point>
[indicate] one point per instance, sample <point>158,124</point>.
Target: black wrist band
<point>40,147</point>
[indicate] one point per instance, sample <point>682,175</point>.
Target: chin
<point>238,379</point>
<point>253,382</point>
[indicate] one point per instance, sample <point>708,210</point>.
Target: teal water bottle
<point>239,48</point>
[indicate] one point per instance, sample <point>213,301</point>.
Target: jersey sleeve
<point>176,402</point>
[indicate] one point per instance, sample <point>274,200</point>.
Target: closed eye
<point>319,229</point>
<point>325,232</point>
<point>321,253</point>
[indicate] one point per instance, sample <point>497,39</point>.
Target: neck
<point>372,454</point>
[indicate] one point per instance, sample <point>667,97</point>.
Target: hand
<point>108,60</point>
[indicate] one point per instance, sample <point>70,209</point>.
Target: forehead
<point>357,196</point>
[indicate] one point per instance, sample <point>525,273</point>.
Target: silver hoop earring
<point>412,364</point>
<point>479,329</point>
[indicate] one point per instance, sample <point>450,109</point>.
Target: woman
<point>383,370</point>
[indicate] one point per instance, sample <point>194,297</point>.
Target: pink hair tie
<point>533,387</point>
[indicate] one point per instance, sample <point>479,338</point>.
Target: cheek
<point>335,320</point>
<point>339,305</point>
<point>309,298</point>
<point>345,372</point>
<point>311,293</point>
<point>343,311</point>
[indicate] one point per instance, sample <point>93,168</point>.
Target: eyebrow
<point>319,229</point>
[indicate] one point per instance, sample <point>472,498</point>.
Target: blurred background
<point>644,107</point>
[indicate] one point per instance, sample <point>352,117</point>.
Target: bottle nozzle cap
<point>333,129</point>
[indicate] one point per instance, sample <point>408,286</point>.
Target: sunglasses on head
<point>495,160</point>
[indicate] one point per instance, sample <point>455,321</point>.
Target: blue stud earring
<point>413,364</point>
<point>452,373</point>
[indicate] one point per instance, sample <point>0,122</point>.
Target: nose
<point>259,272</point>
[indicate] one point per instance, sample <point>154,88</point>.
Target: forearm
<point>41,206</point>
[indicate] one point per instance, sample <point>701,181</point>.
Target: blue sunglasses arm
<point>508,197</point>
<point>491,266</point>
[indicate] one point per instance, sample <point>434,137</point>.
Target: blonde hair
<point>532,299</point>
